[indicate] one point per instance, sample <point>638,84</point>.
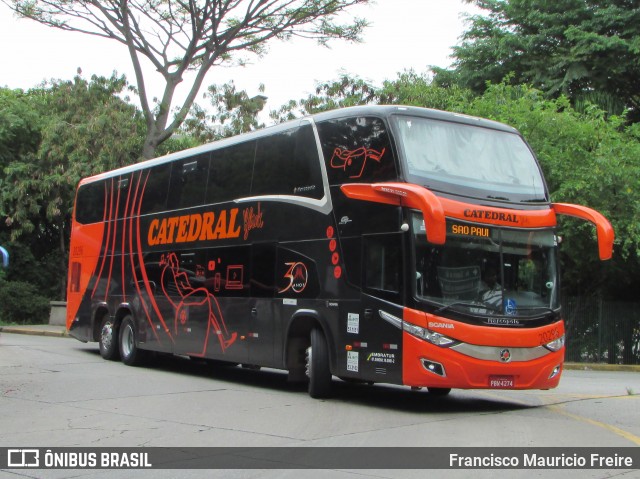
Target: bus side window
<point>156,188</point>
<point>271,170</point>
<point>188,182</point>
<point>382,263</point>
<point>90,203</point>
<point>287,163</point>
<point>357,150</point>
<point>306,179</point>
<point>263,266</point>
<point>230,172</point>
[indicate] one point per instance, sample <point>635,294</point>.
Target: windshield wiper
<point>544,309</point>
<point>534,200</point>
<point>502,198</point>
<point>468,304</point>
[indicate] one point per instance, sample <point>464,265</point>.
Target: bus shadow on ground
<point>384,396</point>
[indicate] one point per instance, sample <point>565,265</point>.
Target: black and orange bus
<point>382,244</point>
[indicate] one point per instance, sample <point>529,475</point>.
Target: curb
<point>601,367</point>
<point>35,331</point>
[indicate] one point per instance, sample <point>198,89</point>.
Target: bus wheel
<point>439,391</point>
<point>108,339</point>
<point>318,371</point>
<point>129,351</point>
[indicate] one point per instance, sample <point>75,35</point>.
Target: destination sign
<point>460,229</point>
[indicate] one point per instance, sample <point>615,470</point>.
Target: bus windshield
<point>487,270</point>
<point>474,161</point>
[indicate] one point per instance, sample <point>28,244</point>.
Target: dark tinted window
<point>287,164</point>
<point>263,261</point>
<point>357,150</point>
<point>122,189</point>
<point>155,189</point>
<point>383,264</point>
<point>188,182</point>
<point>230,172</point>
<point>273,156</point>
<point>90,203</point>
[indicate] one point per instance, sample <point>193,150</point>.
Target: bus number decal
<point>549,335</point>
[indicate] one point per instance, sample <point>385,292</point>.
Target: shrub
<point>20,303</point>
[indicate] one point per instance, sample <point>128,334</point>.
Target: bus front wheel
<point>129,351</point>
<point>439,391</point>
<point>317,365</point>
<point>108,339</point>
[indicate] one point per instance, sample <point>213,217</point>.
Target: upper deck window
<point>356,150</point>
<point>469,160</point>
<point>287,163</point>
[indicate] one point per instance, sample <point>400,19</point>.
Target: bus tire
<point>129,352</point>
<point>108,340</point>
<point>439,391</point>
<point>318,370</point>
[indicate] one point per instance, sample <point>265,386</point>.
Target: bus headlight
<point>555,345</point>
<point>430,336</point>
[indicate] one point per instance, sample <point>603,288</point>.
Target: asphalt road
<point>58,392</point>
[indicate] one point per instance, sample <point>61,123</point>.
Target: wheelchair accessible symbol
<point>510,307</point>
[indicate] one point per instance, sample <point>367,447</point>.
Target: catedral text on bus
<point>381,244</point>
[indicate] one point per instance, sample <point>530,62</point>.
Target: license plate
<point>501,382</point>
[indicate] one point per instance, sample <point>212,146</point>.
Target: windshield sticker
<point>510,307</point>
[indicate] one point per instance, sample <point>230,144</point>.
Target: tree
<point>233,113</point>
<point>579,48</point>
<point>179,36</point>
<point>344,92</point>
<point>79,128</point>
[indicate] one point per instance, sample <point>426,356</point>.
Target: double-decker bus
<point>382,244</point>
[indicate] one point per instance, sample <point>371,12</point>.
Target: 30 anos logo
<point>298,276</point>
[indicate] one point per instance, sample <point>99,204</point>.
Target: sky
<point>404,34</point>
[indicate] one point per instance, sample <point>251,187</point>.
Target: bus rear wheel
<point>108,339</point>
<point>317,365</point>
<point>129,352</point>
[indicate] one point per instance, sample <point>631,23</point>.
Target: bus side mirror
<point>604,229</point>
<point>408,195</point>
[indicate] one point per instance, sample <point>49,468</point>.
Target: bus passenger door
<point>381,308</point>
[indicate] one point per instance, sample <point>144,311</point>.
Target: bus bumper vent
<point>555,372</point>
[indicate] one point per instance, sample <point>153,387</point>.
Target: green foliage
<point>20,303</point>
<point>341,93</point>
<point>85,128</point>
<point>570,47</point>
<point>58,134</point>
